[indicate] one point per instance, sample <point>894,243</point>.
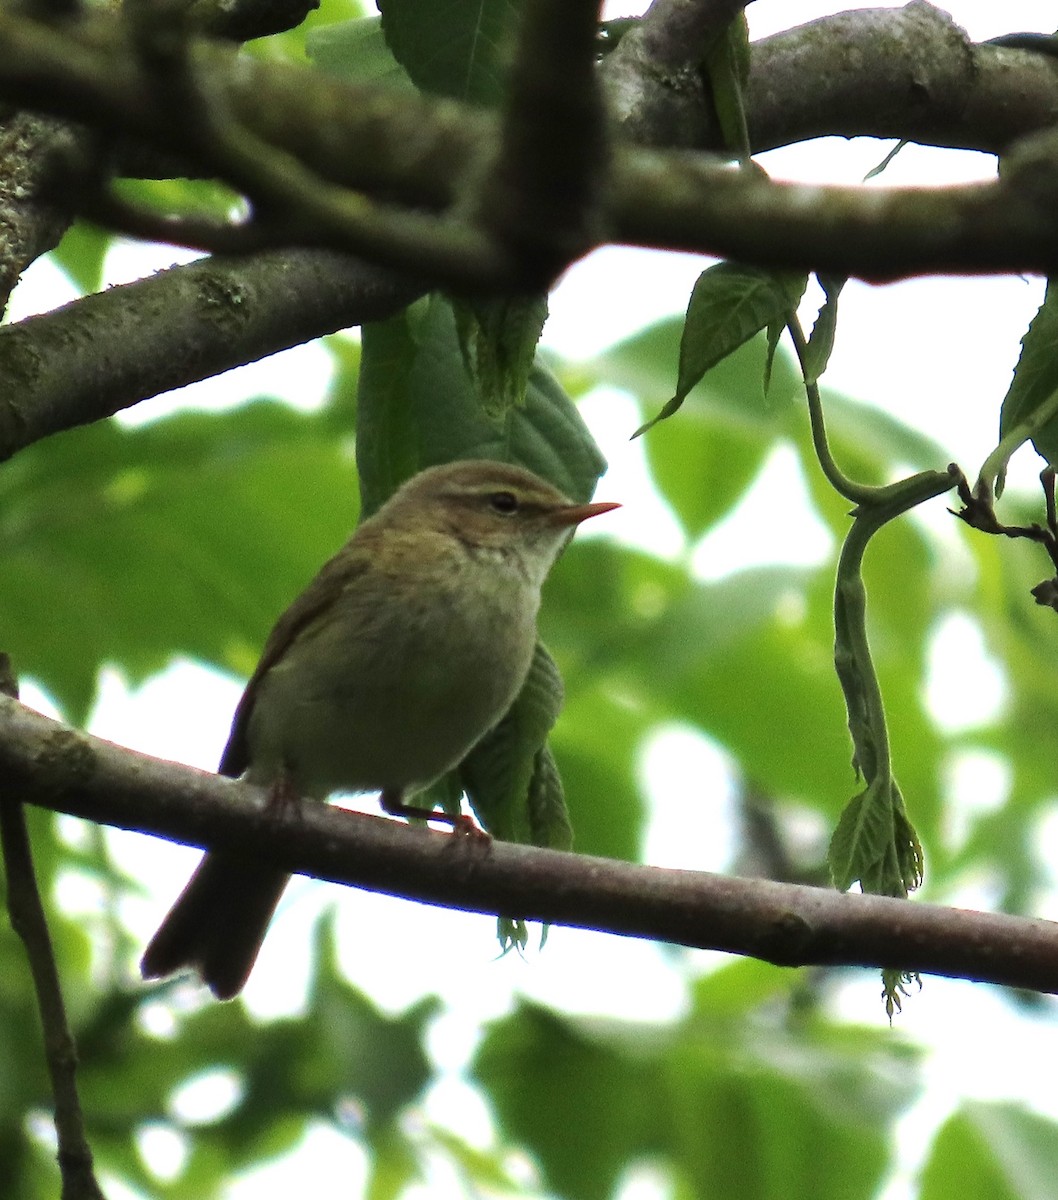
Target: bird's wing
<point>333,577</point>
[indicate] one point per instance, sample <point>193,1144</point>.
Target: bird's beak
<point>576,513</point>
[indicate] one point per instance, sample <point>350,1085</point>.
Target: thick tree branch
<point>106,352</point>
<point>241,20</point>
<point>675,33</point>
<point>896,73</point>
<point>35,150</point>
<point>653,79</point>
<point>926,74</point>
<point>688,203</point>
<point>549,171</point>
<point>59,768</point>
<point>30,225</point>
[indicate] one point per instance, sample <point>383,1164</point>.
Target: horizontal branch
<point>916,75</point>
<point>877,234</point>
<point>45,763</point>
<point>908,73</point>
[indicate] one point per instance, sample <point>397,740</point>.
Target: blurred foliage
<point>742,1097</point>
<point>184,537</point>
<point>753,1094</point>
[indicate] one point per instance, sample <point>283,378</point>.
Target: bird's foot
<point>461,823</point>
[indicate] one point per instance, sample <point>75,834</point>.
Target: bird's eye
<point>503,502</point>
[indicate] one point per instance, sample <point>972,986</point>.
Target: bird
<point>407,647</point>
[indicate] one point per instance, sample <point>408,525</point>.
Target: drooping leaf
<point>729,304</point>
<point>821,342</point>
<point>505,780</point>
<point>498,339</point>
<point>1035,383</point>
<point>727,69</point>
<point>875,844</point>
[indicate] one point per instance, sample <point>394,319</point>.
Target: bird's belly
<point>409,713</point>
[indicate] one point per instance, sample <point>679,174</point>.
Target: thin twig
<point>28,919</point>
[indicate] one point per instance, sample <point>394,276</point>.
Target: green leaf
<point>773,333</point>
<point>704,463</point>
<point>821,343</point>
<point>498,340</point>
<point>549,823</point>
<point>992,1151</point>
<point>356,51</point>
<point>729,304</point>
<point>545,1076</point>
<point>112,536</point>
<point>484,1172</point>
<point>458,49</point>
<point>512,934</point>
<point>505,777</point>
<point>753,1101</point>
<point>195,197</point>
<point>595,744</point>
<point>875,843</point>
<point>727,69</point>
<point>81,254</point>
<point>418,407</point>
<point>1035,382</point>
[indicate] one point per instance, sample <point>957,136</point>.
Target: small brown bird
<point>410,644</point>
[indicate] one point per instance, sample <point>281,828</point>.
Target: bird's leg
<point>392,801</point>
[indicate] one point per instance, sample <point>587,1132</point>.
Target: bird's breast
<point>397,684</point>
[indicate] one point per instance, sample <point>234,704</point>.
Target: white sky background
<point>938,353</point>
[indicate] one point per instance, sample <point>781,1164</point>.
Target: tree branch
<point>541,194</point>
<point>653,79</point>
<point>895,73</point>
<point>30,224</point>
<point>106,352</point>
<point>62,769</point>
<point>877,234</point>
<point>26,911</point>
<point>913,67</point>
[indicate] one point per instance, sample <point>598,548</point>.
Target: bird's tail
<point>217,924</point>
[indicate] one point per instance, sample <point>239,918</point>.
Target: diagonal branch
<point>60,768</point>
<point>106,352</point>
